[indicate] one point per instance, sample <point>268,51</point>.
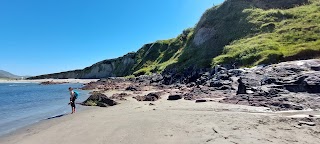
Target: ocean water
<point>22,104</point>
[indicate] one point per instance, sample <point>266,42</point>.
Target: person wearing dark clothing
<point>72,100</point>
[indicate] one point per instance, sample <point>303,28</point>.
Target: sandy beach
<point>170,122</point>
<point>50,80</point>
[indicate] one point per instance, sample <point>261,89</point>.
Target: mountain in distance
<point>8,75</point>
<point>5,74</point>
<point>241,33</point>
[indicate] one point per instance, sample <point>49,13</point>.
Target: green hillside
<point>155,57</point>
<point>282,35</point>
<point>245,32</point>
<point>240,32</point>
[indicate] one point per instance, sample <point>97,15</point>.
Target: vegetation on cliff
<point>240,32</point>
<point>248,33</point>
<point>282,35</point>
<point>155,57</point>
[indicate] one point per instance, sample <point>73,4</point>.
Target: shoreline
<point>51,80</point>
<point>38,126</point>
<point>37,116</point>
<point>169,122</point>
<point>23,129</point>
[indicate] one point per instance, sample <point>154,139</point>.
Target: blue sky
<point>46,36</point>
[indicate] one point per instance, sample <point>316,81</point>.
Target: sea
<point>23,104</point>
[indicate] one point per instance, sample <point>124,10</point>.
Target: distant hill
<point>242,33</point>
<point>5,74</point>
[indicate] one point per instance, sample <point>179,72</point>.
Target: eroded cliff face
<point>227,16</point>
<point>242,32</point>
<point>108,68</point>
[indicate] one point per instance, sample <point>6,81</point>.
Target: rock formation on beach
<point>293,85</point>
<point>99,99</point>
<point>51,83</point>
<point>234,34</point>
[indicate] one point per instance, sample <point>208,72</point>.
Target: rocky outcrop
<point>149,97</point>
<point>99,99</point>
<point>51,83</point>
<point>111,83</point>
<point>284,86</point>
<point>119,96</point>
<point>133,88</point>
<point>203,35</point>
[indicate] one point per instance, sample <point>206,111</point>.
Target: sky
<point>48,36</point>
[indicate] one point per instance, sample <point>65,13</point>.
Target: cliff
<point>108,68</point>
<point>235,33</point>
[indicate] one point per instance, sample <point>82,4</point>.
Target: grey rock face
<point>284,86</point>
<point>108,68</point>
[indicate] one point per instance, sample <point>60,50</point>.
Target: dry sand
<point>51,80</point>
<point>169,122</point>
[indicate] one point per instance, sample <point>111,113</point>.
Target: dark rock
<point>200,101</point>
<point>51,83</point>
<point>268,80</point>
<point>298,107</point>
<point>216,83</point>
<point>149,97</point>
<point>119,96</point>
<point>99,100</point>
<point>223,77</point>
<point>235,72</point>
<point>133,88</point>
<point>151,104</point>
<point>294,88</point>
<point>224,87</point>
<point>311,115</point>
<point>192,84</point>
<point>241,87</point>
<point>315,68</point>
<point>174,97</point>
<point>188,96</point>
<point>306,123</point>
<point>156,78</point>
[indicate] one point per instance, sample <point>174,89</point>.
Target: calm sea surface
<point>23,104</point>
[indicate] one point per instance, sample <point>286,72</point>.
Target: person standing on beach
<point>72,100</point>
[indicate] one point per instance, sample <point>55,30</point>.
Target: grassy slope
<point>223,19</point>
<point>244,34</point>
<point>288,34</point>
<point>155,57</point>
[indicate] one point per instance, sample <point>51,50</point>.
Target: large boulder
<point>133,88</point>
<point>154,96</point>
<point>241,87</point>
<point>119,96</point>
<point>156,78</point>
<point>175,97</point>
<point>215,83</point>
<point>99,99</point>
